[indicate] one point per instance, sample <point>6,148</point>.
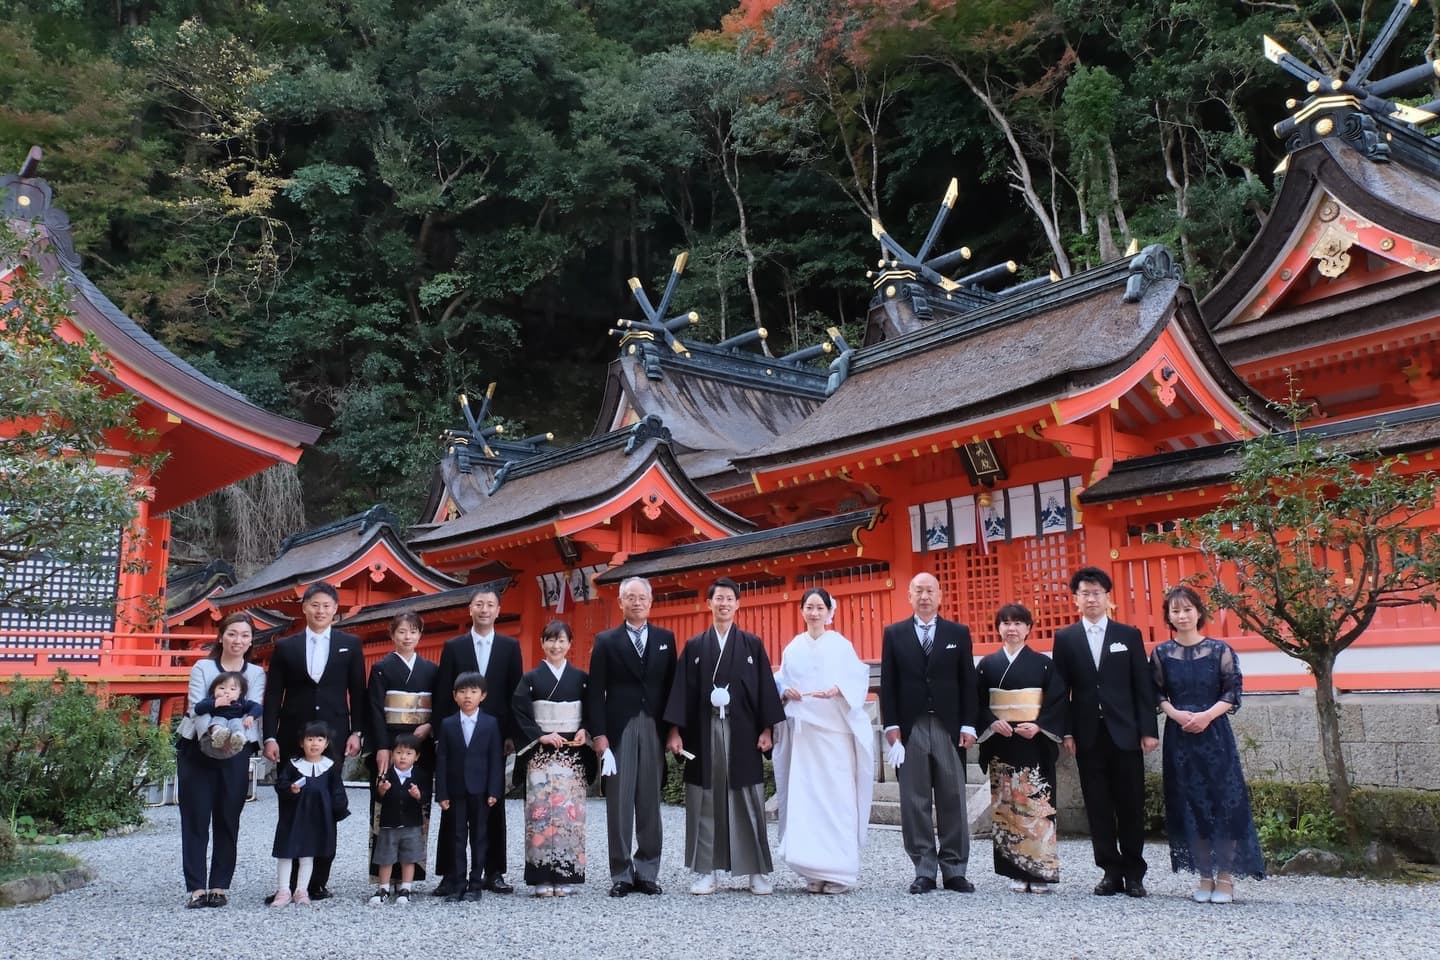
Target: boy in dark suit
<point>928,704</point>
<point>496,657</point>
<point>1112,723</point>
<point>404,792</point>
<point>469,775</point>
<point>631,670</point>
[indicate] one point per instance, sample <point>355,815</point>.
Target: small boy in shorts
<point>404,793</point>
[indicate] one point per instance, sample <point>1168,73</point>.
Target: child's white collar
<point>312,769</point>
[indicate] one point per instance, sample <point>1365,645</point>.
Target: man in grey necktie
<point>928,702</point>
<point>624,703</point>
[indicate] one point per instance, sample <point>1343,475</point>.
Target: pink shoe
<point>282,899</point>
<point>302,898</point>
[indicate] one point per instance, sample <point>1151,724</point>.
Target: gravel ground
<point>135,910</point>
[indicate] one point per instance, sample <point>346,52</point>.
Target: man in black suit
<point>497,658</point>
<point>1112,722</point>
<point>928,702</point>
<point>631,670</point>
<point>316,675</point>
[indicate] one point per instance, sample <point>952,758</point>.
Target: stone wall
<point>1390,740</point>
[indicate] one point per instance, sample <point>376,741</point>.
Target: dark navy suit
<point>469,775</point>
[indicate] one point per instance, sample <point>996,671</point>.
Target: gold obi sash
<point>557,716</point>
<point>1016,706</point>
<point>406,709</point>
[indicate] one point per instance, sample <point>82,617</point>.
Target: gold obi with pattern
<point>406,709</point>
<point>1016,706</point>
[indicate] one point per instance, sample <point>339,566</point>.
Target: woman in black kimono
<point>399,702</point>
<point>556,764</point>
<point>1022,721</point>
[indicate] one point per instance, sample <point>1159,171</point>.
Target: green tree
<point>1011,57</point>
<point>1312,541</point>
<point>1091,103</point>
<point>1195,86</point>
<point>59,418</point>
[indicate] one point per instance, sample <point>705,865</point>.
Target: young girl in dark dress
<point>312,801</point>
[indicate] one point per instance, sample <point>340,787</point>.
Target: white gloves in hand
<point>607,763</point>
<point>896,754</point>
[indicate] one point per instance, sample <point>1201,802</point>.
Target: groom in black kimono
<point>721,710</point>
<point>1112,723</point>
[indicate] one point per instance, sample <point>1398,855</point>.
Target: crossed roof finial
<point>1329,91</point>
<point>894,257</point>
<point>656,326</point>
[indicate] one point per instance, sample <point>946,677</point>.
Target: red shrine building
<point>998,437</point>
<point>211,436</point>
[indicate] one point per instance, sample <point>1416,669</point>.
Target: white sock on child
<point>302,879</point>
<point>282,875</point>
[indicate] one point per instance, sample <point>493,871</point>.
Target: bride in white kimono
<point>824,757</point>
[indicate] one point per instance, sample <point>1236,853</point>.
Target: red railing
<point>128,657</point>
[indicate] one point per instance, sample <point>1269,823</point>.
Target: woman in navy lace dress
<point>1207,805</point>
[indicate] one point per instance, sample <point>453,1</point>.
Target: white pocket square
<point>697,659</point>
<point>343,650</point>
<point>750,660</point>
<point>949,646</point>
<point>1118,648</point>
<point>662,647</point>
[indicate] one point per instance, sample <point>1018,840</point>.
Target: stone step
<point>885,808</point>
<point>888,788</point>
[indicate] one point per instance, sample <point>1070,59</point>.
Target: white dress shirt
<point>467,725</point>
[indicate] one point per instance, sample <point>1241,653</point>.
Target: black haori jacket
<point>754,703</point>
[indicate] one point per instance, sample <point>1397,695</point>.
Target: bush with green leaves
<point>75,761</point>
<point>673,790</point>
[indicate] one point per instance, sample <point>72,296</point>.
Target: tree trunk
<point>743,231</point>
<point>1327,715</point>
<point>1114,178</point>
<point>1024,182</point>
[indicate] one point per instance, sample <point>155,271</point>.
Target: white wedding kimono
<point>824,759</point>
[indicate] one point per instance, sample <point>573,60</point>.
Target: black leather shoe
<point>959,885</point>
<point>320,893</point>
<point>1135,888</point>
<point>648,887</point>
<point>498,885</point>
<point>473,892</point>
<point>198,901</point>
<point>456,894</point>
<point>621,888</point>
<point>1108,887</point>
<point>446,887</point>
<point>922,885</point>
<point>216,899</point>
